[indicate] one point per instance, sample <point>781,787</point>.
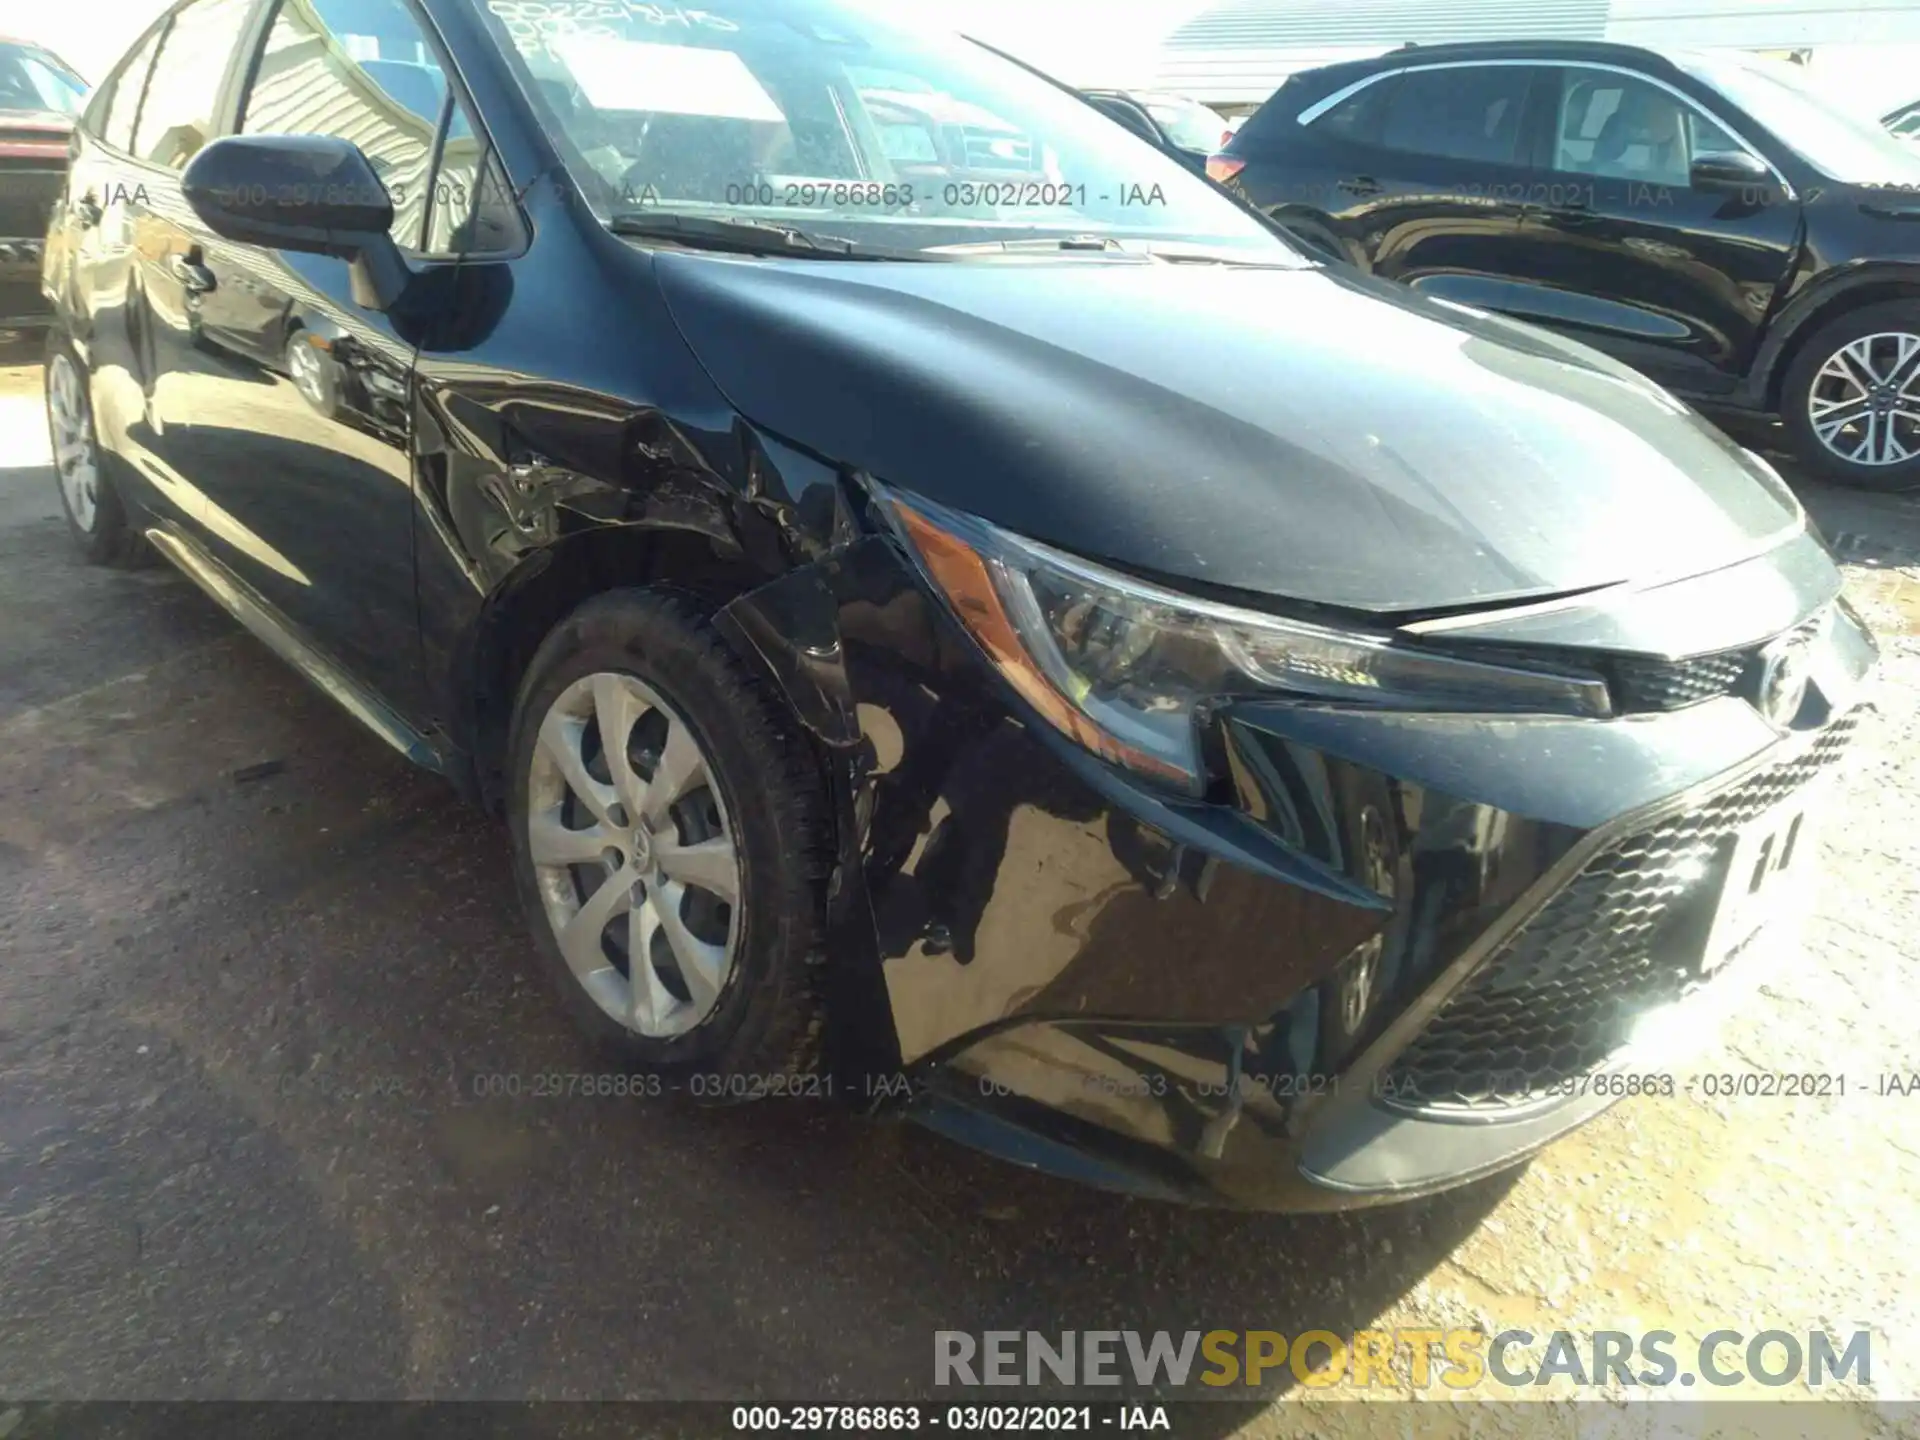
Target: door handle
<point>86,210</point>
<point>194,277</point>
<point>1360,185</point>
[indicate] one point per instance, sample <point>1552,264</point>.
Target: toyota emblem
<point>1783,677</point>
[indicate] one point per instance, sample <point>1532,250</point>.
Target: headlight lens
<point>1123,667</point>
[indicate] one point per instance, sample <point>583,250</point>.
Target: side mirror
<point>313,193</point>
<point>1728,170</point>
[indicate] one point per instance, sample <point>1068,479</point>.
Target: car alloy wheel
<point>303,365</point>
<point>1864,405</point>
<point>72,435</point>
<point>635,859</point>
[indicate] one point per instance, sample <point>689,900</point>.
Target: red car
<point>40,95</point>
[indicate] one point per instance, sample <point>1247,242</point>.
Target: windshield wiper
<point>1029,245</point>
<point>1174,253</point>
<point>1178,254</point>
<point>746,235</point>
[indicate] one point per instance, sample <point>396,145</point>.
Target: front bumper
<point>1236,1002</point>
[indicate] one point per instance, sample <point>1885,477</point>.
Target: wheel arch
<point>550,584</point>
<point>1810,313</point>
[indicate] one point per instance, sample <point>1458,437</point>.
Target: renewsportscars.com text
<point>1453,1359</point>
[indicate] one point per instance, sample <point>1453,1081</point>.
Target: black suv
<point>1704,218</point>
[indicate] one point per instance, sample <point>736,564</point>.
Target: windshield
<point>29,80</point>
<point>1851,150</point>
<point>1189,124</point>
<point>829,120</point>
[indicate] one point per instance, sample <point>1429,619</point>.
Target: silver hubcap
<point>73,441</point>
<point>635,856</point>
<point>303,364</point>
<point>1865,404</point>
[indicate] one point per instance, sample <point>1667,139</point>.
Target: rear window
<point>1360,116</point>
<point>1277,123</point>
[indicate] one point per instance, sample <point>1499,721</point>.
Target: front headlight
<point>1124,667</point>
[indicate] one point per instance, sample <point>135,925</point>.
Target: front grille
<point>1624,936</point>
<point>1640,683</point>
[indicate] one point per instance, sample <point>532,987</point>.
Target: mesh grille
<point>1644,684</point>
<point>1670,684</point>
<point>1622,937</point>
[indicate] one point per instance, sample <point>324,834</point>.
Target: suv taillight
<point>1222,168</point>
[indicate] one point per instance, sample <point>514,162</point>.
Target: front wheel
<point>1852,398</point>
<point>670,844</point>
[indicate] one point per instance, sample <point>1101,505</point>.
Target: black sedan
<point>1706,217</point>
<point>1036,655</point>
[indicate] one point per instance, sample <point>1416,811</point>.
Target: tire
<point>1878,335</point>
<point>652,660</point>
<point>96,516</point>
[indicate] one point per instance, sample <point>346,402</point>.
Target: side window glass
<point>1622,128</point>
<point>123,99</point>
<point>1357,118</point>
<point>176,118</point>
<point>365,71</point>
<point>1459,112</point>
<point>472,210</point>
<point>1706,137</point>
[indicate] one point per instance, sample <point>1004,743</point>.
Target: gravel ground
<point>240,1154</point>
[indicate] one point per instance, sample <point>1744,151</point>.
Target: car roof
<point>1602,51</point>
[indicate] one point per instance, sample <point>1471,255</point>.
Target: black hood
<point>1288,432</point>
